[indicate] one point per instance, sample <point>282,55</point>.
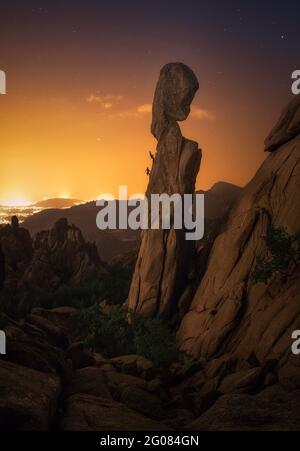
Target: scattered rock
<point>135,365</point>
<point>117,382</point>
<point>54,334</point>
<point>220,367</point>
<point>38,355</point>
<point>91,413</point>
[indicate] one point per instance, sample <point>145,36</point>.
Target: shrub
<point>113,335</point>
<point>114,287</point>
<point>109,334</point>
<point>154,340</point>
<point>283,250</point>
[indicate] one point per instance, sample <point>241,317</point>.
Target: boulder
<point>89,381</point>
<point>62,317</point>
<point>220,367</point>
<point>248,381</point>
<point>135,365</point>
<point>80,356</point>
<point>39,355</point>
<point>117,382</point>
<point>28,398</point>
<point>143,402</point>
<point>91,413</point>
<point>272,410</point>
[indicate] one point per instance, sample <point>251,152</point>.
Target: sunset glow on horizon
<point>76,117</point>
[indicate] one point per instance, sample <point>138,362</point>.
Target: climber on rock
<point>151,155</point>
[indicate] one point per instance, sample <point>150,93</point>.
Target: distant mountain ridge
<point>58,202</point>
<point>111,243</point>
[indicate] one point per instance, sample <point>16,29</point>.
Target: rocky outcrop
<point>15,253</point>
<point>229,312</point>
<point>61,255</point>
<point>162,266</point>
<point>55,257</point>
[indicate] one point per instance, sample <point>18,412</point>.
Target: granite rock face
<point>287,127</point>
<point>229,312</point>
<point>162,264</point>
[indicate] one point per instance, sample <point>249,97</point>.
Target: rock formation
<point>162,265</point>
<point>15,252</point>
<point>62,256</point>
<point>230,313</point>
<point>56,256</point>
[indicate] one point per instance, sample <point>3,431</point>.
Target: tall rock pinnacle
<point>162,265</point>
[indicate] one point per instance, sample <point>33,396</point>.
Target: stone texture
<point>248,381</point>
<point>162,264</point>
<point>271,410</point>
<point>287,127</point>
<point>135,365</point>
<point>143,402</point>
<point>91,413</point>
<point>229,313</point>
<point>89,381</point>
<point>28,398</point>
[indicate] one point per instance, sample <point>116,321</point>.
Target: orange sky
<point>75,120</point>
<point>53,147</point>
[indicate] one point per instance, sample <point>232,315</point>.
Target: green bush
<point>113,287</point>
<point>112,335</point>
<point>283,251</point>
<point>154,340</point>
<point>109,334</point>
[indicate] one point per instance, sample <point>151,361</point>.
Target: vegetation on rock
<point>283,251</point>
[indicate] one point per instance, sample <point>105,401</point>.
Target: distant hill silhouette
<point>111,243</point>
<point>58,202</point>
<point>219,198</point>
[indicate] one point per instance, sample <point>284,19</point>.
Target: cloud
<point>146,108</point>
<point>107,101</point>
<point>200,113</point>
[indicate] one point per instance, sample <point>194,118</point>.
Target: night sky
<point>81,77</point>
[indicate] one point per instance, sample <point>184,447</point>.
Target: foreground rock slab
<point>91,413</point>
<point>272,410</point>
<point>28,398</point>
